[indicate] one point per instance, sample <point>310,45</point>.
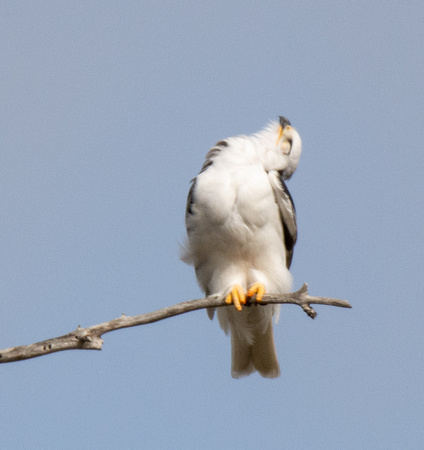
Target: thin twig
<point>90,338</point>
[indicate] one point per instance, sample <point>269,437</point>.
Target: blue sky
<point>107,110</point>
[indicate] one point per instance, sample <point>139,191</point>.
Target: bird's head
<point>284,151</point>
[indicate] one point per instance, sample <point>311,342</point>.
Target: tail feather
<point>264,355</point>
<point>260,355</point>
<point>241,360</point>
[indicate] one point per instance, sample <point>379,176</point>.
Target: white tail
<point>260,355</point>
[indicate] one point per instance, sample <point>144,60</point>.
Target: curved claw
<point>257,289</point>
<point>236,296</point>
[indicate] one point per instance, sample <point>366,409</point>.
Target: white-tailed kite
<point>241,227</point>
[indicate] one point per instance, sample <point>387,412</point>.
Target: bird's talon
<point>257,289</point>
<point>236,296</point>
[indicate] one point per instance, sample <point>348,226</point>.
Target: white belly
<point>237,234</point>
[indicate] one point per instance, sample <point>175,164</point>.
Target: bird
<point>241,230</point>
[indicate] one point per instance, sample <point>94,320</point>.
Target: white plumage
<point>241,227</point>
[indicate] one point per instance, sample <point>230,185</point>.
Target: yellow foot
<point>258,289</point>
<point>236,296</point>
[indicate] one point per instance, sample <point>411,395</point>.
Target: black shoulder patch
<point>221,144</point>
<point>285,188</point>
<point>212,153</point>
<point>190,199</point>
<point>289,237</point>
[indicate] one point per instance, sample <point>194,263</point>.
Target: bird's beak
<point>279,135</point>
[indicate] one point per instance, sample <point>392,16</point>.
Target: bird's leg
<point>257,289</point>
<point>236,296</point>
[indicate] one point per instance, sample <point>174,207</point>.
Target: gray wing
<point>287,213</point>
<point>189,213</point>
<point>190,203</point>
<point>213,152</point>
<point>191,199</point>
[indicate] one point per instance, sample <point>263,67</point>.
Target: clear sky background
<point>107,110</point>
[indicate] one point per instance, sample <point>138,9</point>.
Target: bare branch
<point>90,338</point>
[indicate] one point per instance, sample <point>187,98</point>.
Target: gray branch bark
<point>90,338</point>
